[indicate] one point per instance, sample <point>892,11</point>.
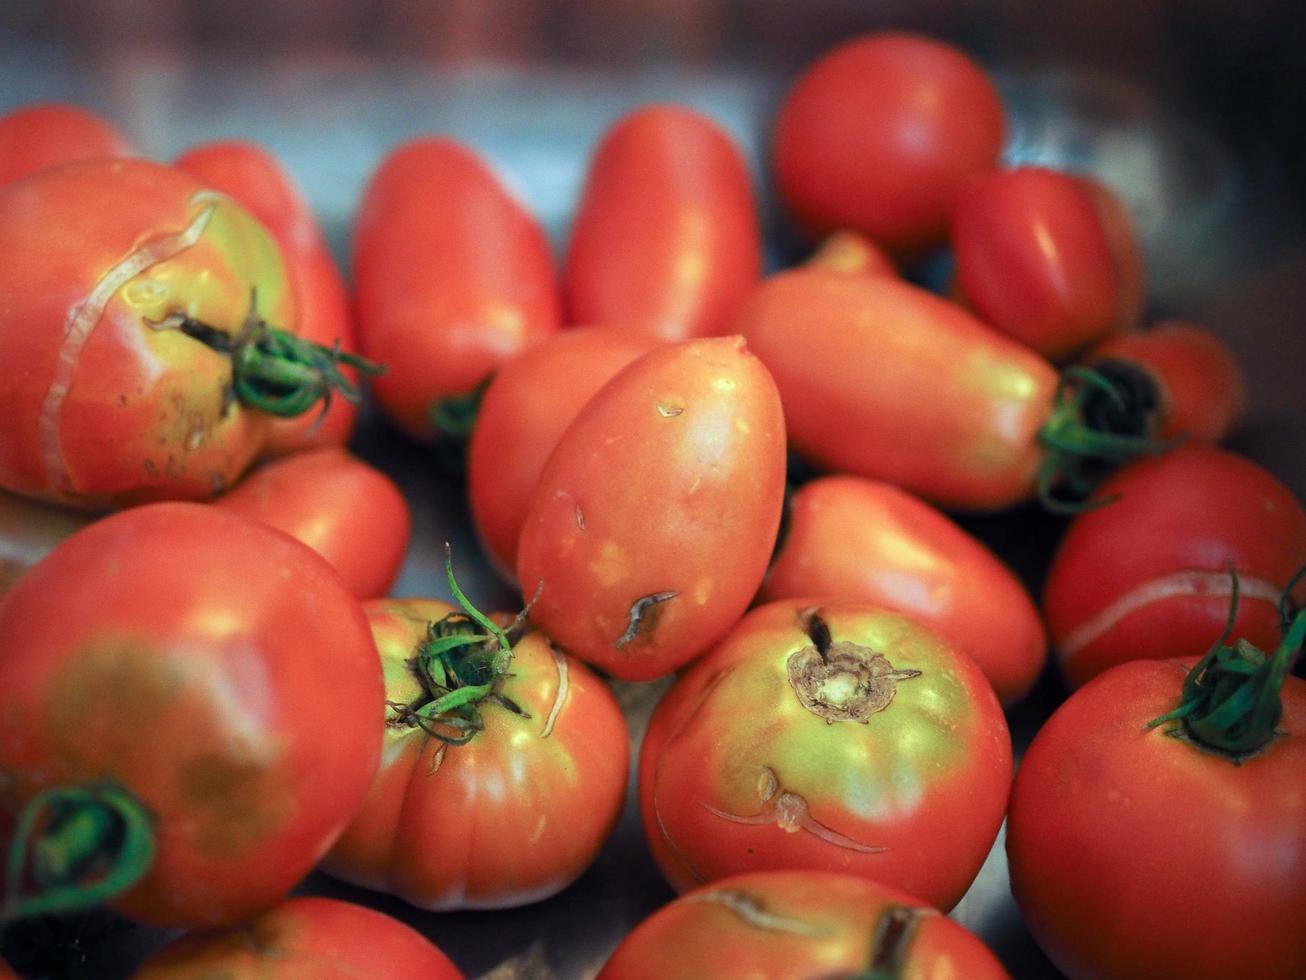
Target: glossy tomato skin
<point>304,937</point>
<point>526,408</point>
<point>350,513</point>
<point>104,406</point>
<point>452,277</point>
<point>653,521</point>
<point>792,925</point>
<point>737,773</point>
<point>1147,576</point>
<point>216,669</point>
<point>511,817</point>
<point>883,380</point>
<point>256,179</point>
<point>861,539</point>
<point>667,236</point>
<point>879,135</point>
<point>36,137</point>
<point>1135,855</point>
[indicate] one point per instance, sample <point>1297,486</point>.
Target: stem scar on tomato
<point>644,615</point>
<point>752,912</point>
<point>841,681</point>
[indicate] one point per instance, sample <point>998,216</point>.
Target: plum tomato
<point>36,137</point>
<point>833,736</point>
<point>853,254</point>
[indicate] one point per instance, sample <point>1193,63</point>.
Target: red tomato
<point>880,133</point>
<point>452,278</point>
<point>1148,575</point>
<point>216,672</point>
<point>666,236</point>
<point>254,178</point>
<point>28,532</point>
<point>40,136</point>
<point>304,938</point>
<point>512,816</point>
<point>350,513</point>
<point>1037,258</point>
<point>836,736</point>
<point>531,400</point>
<point>792,925</point>
<point>6,973</point>
<point>676,462</point>
<point>853,538</point>
<point>854,254</point>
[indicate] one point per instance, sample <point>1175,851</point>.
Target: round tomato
<point>666,236</point>
<point>676,462</point>
<point>302,938</point>
<point>192,701</point>
<point>833,736</point>
<point>28,532</point>
<point>792,925</point>
<point>880,133</point>
<point>47,135</point>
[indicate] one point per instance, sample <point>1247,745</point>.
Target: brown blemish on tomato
<point>841,680</point>
<point>755,914</point>
<point>240,800</point>
<point>580,518</point>
<point>645,612</point>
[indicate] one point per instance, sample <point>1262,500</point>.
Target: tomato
<point>28,531</point>
<point>39,136</point>
<point>1148,574</point>
<point>849,252</point>
<point>350,513</point>
<point>523,413</point>
<point>1036,258</point>
<point>675,463</point>
<point>304,937</point>
<point>832,736</point>
<point>666,236</point>
<point>516,813</point>
<point>254,177</point>
<point>452,277</point>
<point>791,925</point>
<point>181,674</point>
<point>861,539</point>
<point>880,133</point>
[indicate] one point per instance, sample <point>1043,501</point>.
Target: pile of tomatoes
<point>685,467</point>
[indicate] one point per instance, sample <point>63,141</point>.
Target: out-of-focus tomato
<point>853,538</point>
<point>452,278</point>
<point>304,938</point>
<point>793,925</point>
<point>257,180</point>
<point>28,532</point>
<point>834,736</point>
<point>47,135</point>
<point>880,133</point>
<point>666,238</point>
<point>350,513</point>
<point>854,254</point>
<point>192,695</point>
<point>652,524</point>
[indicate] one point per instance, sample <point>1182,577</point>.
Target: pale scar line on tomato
<point>1189,582</point>
<point>86,315</point>
<point>560,696</point>
<point>755,914</point>
<point>644,614</point>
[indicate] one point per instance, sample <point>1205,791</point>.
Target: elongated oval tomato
<point>512,816</point>
<point>49,134</point>
<point>452,277</point>
<point>793,925</point>
<point>526,408</point>
<point>215,670</point>
<point>666,236</point>
<point>257,180</point>
<point>833,736</point>
<point>852,253</point>
<point>304,937</point>
<point>853,538</point>
<point>653,521</point>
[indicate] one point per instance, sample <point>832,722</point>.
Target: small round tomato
<point>47,135</point>
<point>350,513</point>
<point>675,463</point>
<point>666,236</point>
<point>28,532</point>
<point>853,254</point>
<point>304,937</point>
<point>792,925</point>
<point>191,698</point>
<point>880,133</point>
<point>834,736</point>
<point>862,539</point>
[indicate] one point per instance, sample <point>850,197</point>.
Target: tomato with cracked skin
<point>193,700</point>
<point>827,735</point>
<point>652,524</point>
<point>36,137</point>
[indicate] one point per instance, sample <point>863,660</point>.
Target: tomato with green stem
<point>45,135</point>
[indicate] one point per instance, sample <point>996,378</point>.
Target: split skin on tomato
<point>655,516</point>
<point>793,925</point>
<point>214,672</point>
<point>37,137</point>
<point>827,735</point>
